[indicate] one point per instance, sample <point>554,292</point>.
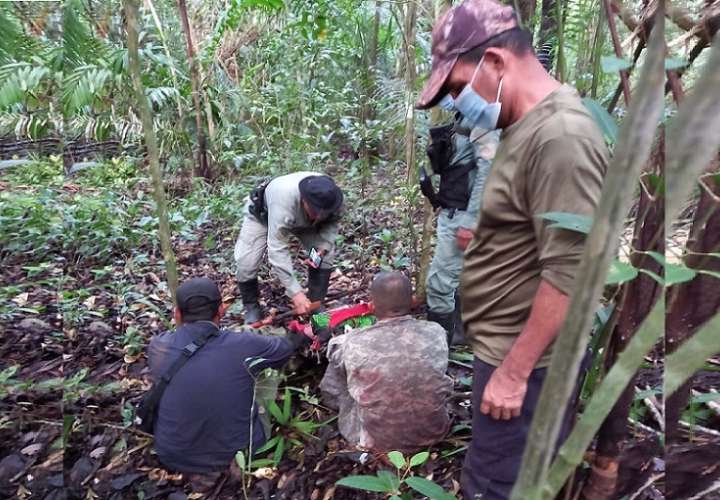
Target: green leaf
<point>274,410</point>
<point>659,258</point>
<point>269,445</point>
<point>397,459</point>
<point>673,63</point>
<point>279,450</point>
<point>419,458</point>
<point>366,483</point>
<point>390,479</point>
<point>678,273</point>
<point>612,64</point>
<point>620,272</point>
<point>286,404</point>
<point>565,220</point>
<point>428,488</point>
<point>240,460</point>
<point>607,124</point>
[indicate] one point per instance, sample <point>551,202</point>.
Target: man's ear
<point>224,306</point>
<point>495,61</point>
<point>177,315</point>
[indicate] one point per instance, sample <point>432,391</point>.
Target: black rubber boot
<point>446,320</point>
<point>318,283</point>
<point>458,336</point>
<point>249,291</point>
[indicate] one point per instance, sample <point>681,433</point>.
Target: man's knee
<point>476,487</point>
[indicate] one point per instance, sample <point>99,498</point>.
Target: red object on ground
<point>337,316</point>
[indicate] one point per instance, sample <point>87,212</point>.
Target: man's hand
<point>463,237</point>
<point>504,395</point>
<point>308,262</point>
<point>301,304</point>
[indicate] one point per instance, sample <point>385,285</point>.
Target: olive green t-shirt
<point>552,160</point>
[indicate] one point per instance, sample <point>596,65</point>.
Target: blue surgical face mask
<point>447,103</point>
<point>481,113</point>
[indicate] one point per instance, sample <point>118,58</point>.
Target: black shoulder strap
<point>185,355</point>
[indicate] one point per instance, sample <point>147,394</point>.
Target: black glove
<point>427,189</point>
<point>324,335</point>
<point>298,340</point>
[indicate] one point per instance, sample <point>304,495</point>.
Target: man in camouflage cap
<point>518,272</point>
<point>388,380</point>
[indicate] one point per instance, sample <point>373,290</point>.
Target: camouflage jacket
<point>389,385</point>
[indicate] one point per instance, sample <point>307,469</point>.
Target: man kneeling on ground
<point>204,414</point>
<point>388,380</point>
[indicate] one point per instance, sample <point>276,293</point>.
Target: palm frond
<point>80,46</point>
<point>15,44</point>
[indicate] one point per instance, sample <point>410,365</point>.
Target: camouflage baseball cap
<point>461,29</point>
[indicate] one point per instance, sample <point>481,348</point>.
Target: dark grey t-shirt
<point>204,415</point>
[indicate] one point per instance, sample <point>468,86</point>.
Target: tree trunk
<point>428,210</point>
<point>693,303</point>
<point>410,22</point>
<point>202,168</point>
<point>624,75</point>
<point>546,45</point>
<point>638,298</point>
<point>131,13</point>
<point>526,11</point>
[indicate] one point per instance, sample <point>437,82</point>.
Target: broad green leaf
<point>366,483</point>
<point>240,460</point>
<point>607,124</point>
<point>390,479</point>
<point>269,445</point>
<point>672,63</point>
<point>620,272</point>
<point>419,458</point>
<point>261,462</point>
<point>612,64</point>
<point>395,497</point>
<point>397,459</point>
<point>678,273</point>
<point>565,220</point>
<point>659,258</point>
<point>428,488</point>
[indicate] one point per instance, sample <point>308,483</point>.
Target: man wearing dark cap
<point>518,272</point>
<point>204,416</point>
<point>307,205</point>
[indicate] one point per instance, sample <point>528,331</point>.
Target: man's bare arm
<point>505,391</point>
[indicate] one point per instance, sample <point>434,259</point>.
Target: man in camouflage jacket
<point>388,380</point>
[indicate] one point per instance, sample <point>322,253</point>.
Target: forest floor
<point>74,324</point>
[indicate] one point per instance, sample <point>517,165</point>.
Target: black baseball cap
<point>322,194</point>
<point>198,299</point>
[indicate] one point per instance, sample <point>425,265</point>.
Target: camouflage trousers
<point>444,274</point>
